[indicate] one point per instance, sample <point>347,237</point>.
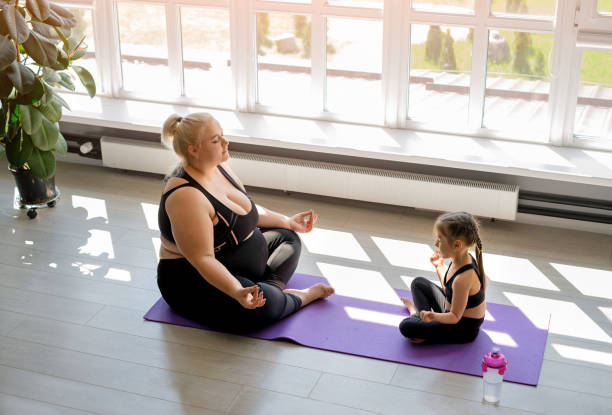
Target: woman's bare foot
<point>409,305</point>
<point>317,291</point>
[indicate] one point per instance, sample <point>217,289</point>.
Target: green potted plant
<point>37,49</point>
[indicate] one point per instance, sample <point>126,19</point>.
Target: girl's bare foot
<point>317,291</point>
<point>409,305</point>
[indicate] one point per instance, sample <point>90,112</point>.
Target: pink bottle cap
<point>494,359</point>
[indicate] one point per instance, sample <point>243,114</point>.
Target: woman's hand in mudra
<point>426,316</point>
<point>303,222</point>
<point>250,297</point>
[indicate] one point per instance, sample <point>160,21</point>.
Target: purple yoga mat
<point>326,324</point>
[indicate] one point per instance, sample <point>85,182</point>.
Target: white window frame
<point>318,11</point>
<point>575,26</point>
<point>591,31</point>
<point>482,21</point>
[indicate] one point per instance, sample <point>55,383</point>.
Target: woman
<point>223,260</point>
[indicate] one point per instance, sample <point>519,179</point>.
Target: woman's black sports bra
<point>473,300</point>
<point>230,230</point>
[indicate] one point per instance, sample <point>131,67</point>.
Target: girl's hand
<point>303,222</point>
<point>437,260</point>
<point>250,297</point>
<point>426,316</point>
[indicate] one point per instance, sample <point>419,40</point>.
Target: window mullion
<point>318,53</point>
<point>175,46</point>
<point>108,52</point>
<point>478,77</point>
<point>564,83</point>
<point>392,40</point>
<point>242,46</point>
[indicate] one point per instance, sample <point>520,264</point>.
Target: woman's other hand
<point>426,316</point>
<point>250,297</point>
<point>303,222</point>
<point>437,261</point>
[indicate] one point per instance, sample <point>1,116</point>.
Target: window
<point>84,27</point>
<point>354,66</point>
<point>592,96</point>
<point>531,70</point>
<point>604,6</point>
<point>440,73</point>
<point>283,61</point>
<point>518,83</point>
<point>445,6</point>
<point>205,35</point>
<point>594,103</point>
<point>144,50</point>
<point>532,8</point>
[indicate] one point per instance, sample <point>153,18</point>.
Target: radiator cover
<point>421,191</point>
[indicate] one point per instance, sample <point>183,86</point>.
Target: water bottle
<point>493,368</point>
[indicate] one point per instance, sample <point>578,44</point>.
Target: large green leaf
<point>52,110</point>
<point>66,81</point>
<point>19,149</point>
<point>50,76</point>
<point>21,76</point>
<point>49,31</point>
<point>62,61</point>
<point>51,104</point>
<point>60,16</point>
<point>86,79</point>
<point>46,136</point>
<point>14,23</point>
<point>33,96</point>
<point>6,86</point>
<point>41,49</point>
<point>61,146</point>
<point>38,9</point>
<point>31,118</point>
<point>8,52</point>
<point>58,98</point>
<point>42,163</point>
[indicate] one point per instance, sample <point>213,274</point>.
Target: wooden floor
<point>76,281</point>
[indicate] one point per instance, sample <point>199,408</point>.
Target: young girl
<point>453,313</point>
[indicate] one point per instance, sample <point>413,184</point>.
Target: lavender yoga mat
<point>341,324</point>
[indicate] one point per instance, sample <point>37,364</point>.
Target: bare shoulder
<point>231,172</point>
<point>186,199</point>
<point>174,182</point>
<point>466,279</point>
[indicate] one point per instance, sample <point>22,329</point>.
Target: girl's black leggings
<point>428,296</point>
<point>268,258</point>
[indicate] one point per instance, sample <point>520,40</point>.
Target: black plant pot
<point>33,191</point>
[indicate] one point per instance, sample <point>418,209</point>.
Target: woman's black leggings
<point>268,258</point>
<point>428,296</point>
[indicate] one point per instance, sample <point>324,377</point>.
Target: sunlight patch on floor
<point>583,355</point>
<point>99,242</point>
<point>156,245</point>
<point>567,318</point>
<point>405,254</point>
<point>118,274</point>
<point>359,283</point>
<point>377,317</point>
<point>589,281</point>
<point>334,243</point>
<point>95,208</point>
<point>515,271</point>
<point>150,213</point>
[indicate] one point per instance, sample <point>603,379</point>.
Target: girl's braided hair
<point>462,225</point>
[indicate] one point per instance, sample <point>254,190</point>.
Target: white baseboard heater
<point>485,199</point>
